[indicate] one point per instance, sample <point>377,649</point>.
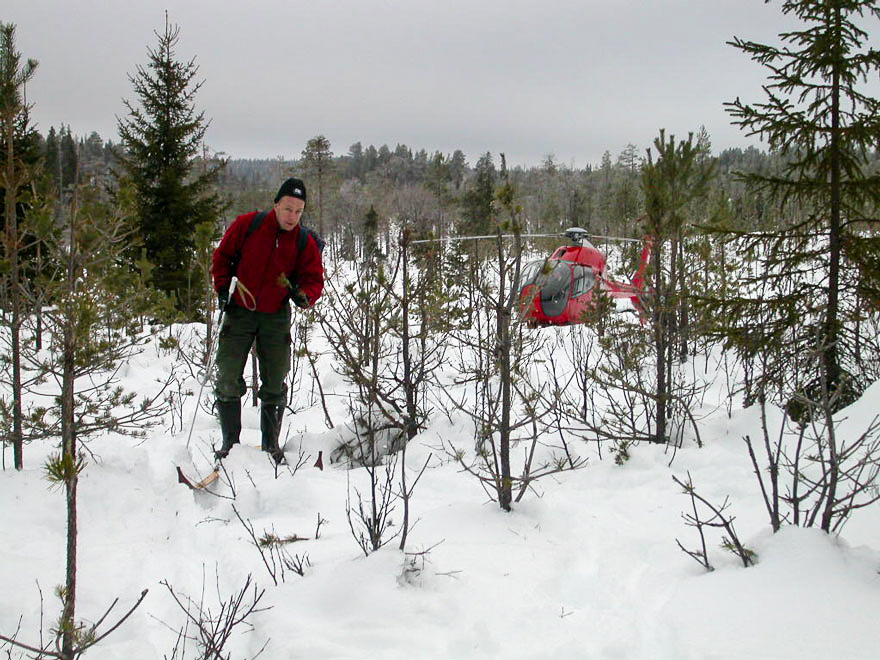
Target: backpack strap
<point>302,241</point>
<point>255,224</point>
<point>304,233</point>
<point>256,221</point>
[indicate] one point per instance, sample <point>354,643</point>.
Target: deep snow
<point>587,567</point>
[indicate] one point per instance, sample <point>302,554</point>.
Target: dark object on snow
<point>810,402</point>
<point>270,426</point>
<point>320,462</point>
<point>229,413</point>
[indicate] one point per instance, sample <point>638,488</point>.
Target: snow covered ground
<point>586,568</point>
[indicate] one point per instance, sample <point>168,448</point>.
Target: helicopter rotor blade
<point>450,239</point>
<point>618,238</point>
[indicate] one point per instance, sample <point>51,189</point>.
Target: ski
<point>198,485</point>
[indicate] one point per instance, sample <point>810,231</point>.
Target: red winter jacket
<point>268,256</point>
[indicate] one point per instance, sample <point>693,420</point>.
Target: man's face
<point>289,210</point>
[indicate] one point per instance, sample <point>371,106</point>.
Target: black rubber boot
<point>270,425</point>
<point>230,425</point>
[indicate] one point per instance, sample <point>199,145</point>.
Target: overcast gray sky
<point>572,78</point>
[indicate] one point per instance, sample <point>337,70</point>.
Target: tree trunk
<point>505,494</point>
<point>683,308</point>
<point>68,443</point>
<point>660,341</point>
<point>13,292</point>
<point>38,312</point>
<point>831,358</point>
<point>832,322</point>
<point>68,435</point>
<point>410,391</point>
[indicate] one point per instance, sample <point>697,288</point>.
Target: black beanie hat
<point>293,187</point>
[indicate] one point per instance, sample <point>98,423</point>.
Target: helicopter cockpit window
<point>530,273</point>
<point>584,280</point>
<point>556,287</point>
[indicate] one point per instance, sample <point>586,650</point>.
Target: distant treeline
<point>437,193</point>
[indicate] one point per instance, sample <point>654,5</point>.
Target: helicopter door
<point>584,281</point>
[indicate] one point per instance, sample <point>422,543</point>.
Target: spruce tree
<point>477,200</point>
<point>161,140</point>
<point>69,160</point>
<point>318,161</point>
<point>477,219</point>
<point>819,119</point>
<point>355,166</point>
<point>457,168</point>
<point>370,237</point>
<point>52,162</point>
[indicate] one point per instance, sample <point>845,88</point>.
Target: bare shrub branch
<point>717,520</point>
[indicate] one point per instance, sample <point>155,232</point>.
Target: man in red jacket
<point>273,263</point>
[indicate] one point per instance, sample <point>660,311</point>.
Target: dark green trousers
<point>241,328</point>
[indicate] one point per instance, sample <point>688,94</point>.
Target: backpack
<point>304,233</point>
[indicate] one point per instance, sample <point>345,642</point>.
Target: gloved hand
<point>299,298</point>
<point>222,299</point>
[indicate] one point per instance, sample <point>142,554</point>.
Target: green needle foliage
<point>818,266</point>
<point>161,139</point>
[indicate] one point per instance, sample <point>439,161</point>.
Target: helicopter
<point>562,289</point>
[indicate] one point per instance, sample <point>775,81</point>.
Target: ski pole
<point>205,375</point>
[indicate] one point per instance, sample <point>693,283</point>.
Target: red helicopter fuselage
<point>561,290</point>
